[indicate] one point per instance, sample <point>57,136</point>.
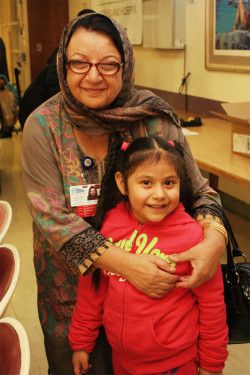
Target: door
<point>46,20</point>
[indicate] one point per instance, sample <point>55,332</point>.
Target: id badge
<point>85,199</point>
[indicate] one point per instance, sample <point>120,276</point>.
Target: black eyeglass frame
<point>118,65</point>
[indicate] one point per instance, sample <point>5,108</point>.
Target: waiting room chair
<point>9,273</point>
<point>14,348</point>
<point>5,218</point>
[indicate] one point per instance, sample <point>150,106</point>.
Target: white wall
<point>164,69</point>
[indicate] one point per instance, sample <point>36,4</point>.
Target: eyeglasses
<point>83,67</point>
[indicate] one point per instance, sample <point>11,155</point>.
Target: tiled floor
<point>23,302</point>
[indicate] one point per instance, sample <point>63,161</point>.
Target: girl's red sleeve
<point>88,312</point>
<point>213,337</point>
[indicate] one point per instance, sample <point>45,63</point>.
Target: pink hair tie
<point>124,146</point>
<point>171,143</point>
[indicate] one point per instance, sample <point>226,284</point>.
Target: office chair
<point>5,218</point>
<point>14,348</point>
<point>9,273</point>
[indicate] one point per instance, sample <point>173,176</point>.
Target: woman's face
<point>93,89</point>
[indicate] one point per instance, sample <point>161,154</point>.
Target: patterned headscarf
<point>130,105</point>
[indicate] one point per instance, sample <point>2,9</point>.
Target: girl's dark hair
<point>109,193</point>
<point>99,22</point>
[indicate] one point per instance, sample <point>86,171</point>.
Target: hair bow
<point>171,143</point>
<point>124,145</point>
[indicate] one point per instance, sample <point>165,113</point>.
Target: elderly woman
<point>66,146</point>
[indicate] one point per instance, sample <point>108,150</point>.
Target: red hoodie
<point>153,334</point>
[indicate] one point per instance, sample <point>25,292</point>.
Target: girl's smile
<point>153,190</point>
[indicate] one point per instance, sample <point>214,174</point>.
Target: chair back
<point>9,273</point>
<point>14,348</point>
<point>5,218</point>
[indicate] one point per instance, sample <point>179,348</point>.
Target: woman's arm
<point>148,273</point>
<point>48,168</point>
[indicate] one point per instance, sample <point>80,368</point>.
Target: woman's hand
<point>148,273</point>
<point>204,259</point>
<point>151,275</point>
<point>202,371</point>
<point>80,361</point>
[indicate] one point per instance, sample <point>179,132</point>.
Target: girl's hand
<point>80,362</point>
<point>204,259</point>
<point>202,371</point>
<point>150,274</point>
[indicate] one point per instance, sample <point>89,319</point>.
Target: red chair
<point>9,273</point>
<point>5,218</point>
<point>14,348</point>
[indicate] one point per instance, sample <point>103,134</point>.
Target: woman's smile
<point>93,89</point>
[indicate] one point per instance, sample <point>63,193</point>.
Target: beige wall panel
<point>164,69</point>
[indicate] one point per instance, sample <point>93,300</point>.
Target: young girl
<point>183,333</point>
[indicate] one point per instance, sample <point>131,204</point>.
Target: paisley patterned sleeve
<point>68,235</point>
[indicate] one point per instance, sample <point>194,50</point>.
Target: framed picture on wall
<point>228,35</point>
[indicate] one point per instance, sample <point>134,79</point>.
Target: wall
<point>76,6</point>
<point>163,69</point>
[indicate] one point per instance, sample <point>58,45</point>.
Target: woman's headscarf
<point>130,105</point>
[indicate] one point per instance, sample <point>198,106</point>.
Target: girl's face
<point>94,90</point>
<point>153,190</point>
